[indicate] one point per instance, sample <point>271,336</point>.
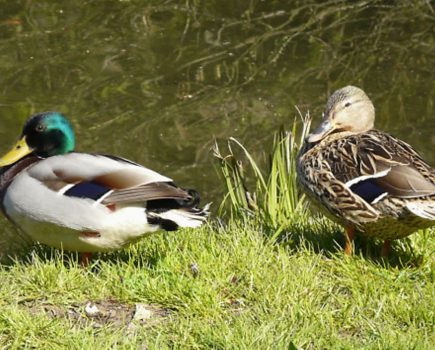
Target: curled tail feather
<point>171,219</point>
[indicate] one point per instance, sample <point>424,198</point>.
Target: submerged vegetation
<point>158,82</point>
<point>211,69</point>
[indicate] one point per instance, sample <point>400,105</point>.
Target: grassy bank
<point>226,288</point>
<point>274,277</point>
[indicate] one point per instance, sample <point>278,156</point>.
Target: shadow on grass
<point>330,242</point>
<point>37,253</point>
<point>320,237</point>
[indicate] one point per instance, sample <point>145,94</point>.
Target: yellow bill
<point>20,150</point>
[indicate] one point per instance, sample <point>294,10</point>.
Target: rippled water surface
<point>159,81</point>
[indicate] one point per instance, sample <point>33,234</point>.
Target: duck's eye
<point>347,104</point>
<point>40,128</point>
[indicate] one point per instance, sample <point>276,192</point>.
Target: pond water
<point>158,81</point>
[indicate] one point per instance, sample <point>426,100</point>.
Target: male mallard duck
<point>364,179</point>
<point>86,202</point>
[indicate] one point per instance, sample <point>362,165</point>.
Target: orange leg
<point>386,248</point>
<point>350,235</point>
<point>86,258</point>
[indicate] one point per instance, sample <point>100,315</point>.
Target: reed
<point>270,197</point>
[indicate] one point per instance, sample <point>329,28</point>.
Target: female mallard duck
<point>86,202</point>
<point>364,179</point>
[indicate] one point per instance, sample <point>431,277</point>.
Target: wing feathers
<point>90,189</point>
<point>400,181</point>
<point>153,191</point>
<point>406,182</point>
<point>123,178</point>
<point>368,190</point>
<point>78,167</point>
<point>378,165</point>
<point>104,178</point>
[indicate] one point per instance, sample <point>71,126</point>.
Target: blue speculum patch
<point>89,189</point>
<point>368,190</point>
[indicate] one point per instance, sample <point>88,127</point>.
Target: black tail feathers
<point>170,214</point>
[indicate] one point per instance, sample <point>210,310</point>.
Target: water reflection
<point>158,81</point>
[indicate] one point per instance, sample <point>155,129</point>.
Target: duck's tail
<point>170,214</point>
<point>184,217</point>
<point>425,210</point>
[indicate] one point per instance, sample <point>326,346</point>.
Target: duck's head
<point>44,134</point>
<point>348,110</point>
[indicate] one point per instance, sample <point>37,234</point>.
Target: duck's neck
<point>339,135</point>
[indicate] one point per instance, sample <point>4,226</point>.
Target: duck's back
<point>369,178</point>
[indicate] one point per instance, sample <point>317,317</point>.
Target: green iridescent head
<point>44,134</point>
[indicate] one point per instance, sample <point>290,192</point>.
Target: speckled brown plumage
<point>365,180</point>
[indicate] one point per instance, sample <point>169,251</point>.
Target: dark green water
<point>159,81</point>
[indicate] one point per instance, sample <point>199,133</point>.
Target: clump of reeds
<point>271,196</point>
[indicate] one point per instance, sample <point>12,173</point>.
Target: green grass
<point>250,293</point>
<point>274,277</point>
<point>275,201</point>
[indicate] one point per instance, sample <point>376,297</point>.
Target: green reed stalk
<point>274,198</point>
